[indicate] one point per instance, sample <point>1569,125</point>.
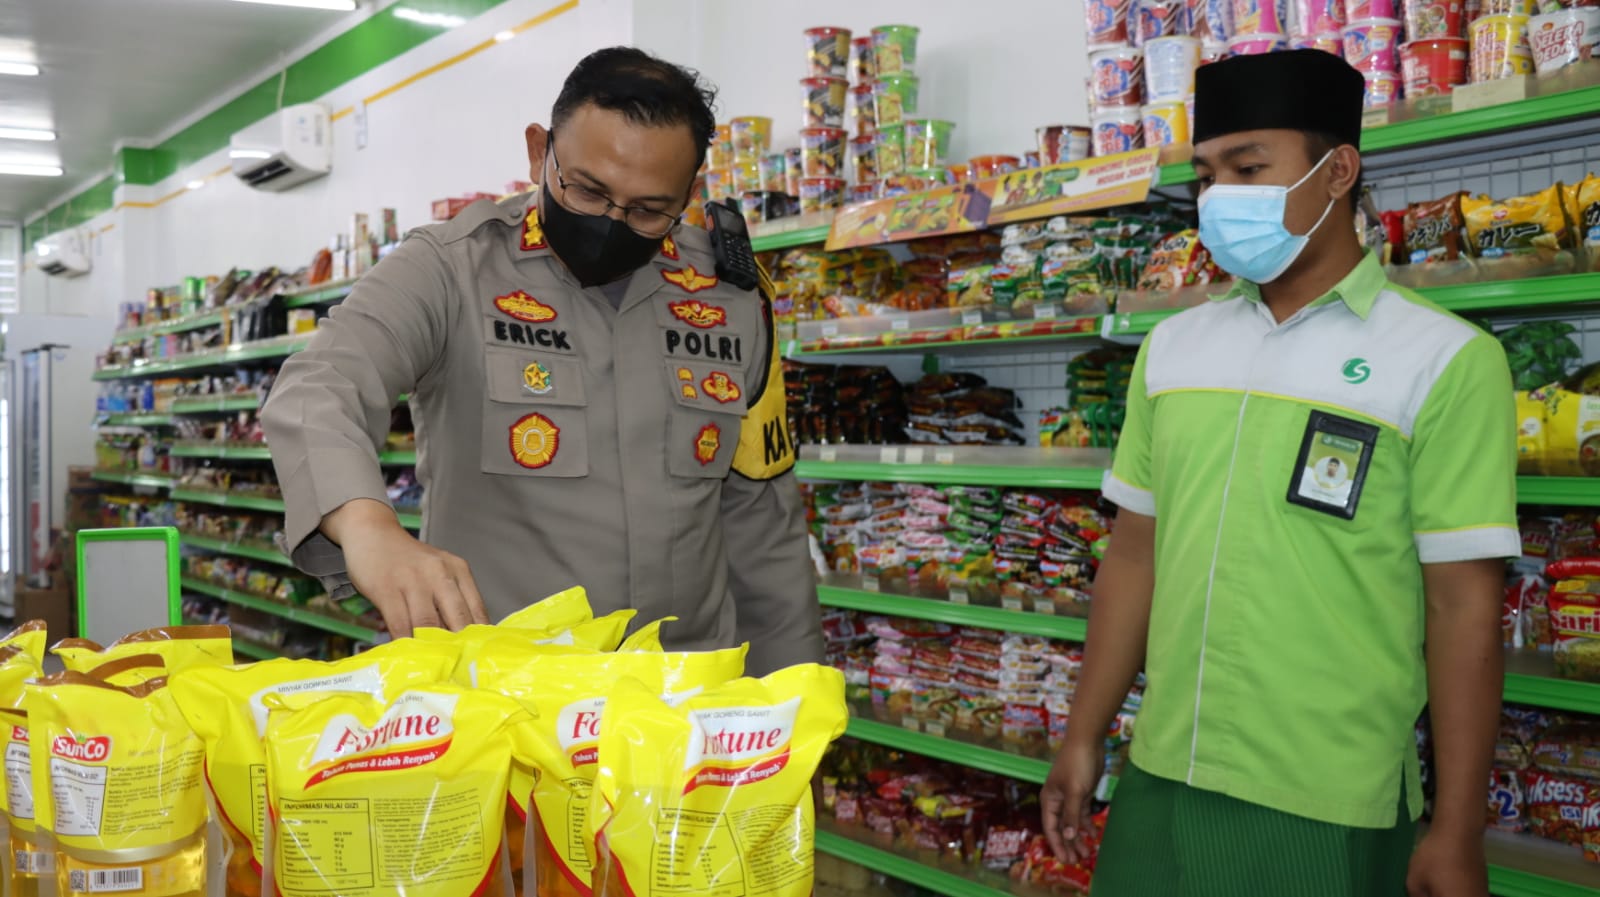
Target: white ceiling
<point>127,70</point>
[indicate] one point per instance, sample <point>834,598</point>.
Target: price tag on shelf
<point>828,453</point>
<point>829,331</point>
<point>1011,603</point>
<point>971,317</point>
<point>958,595</point>
<point>1044,606</point>
<point>1044,312</point>
<point>899,324</point>
<point>888,455</point>
<point>869,583</point>
<point>944,457</point>
<point>910,723</point>
<point>914,455</point>
<point>935,729</point>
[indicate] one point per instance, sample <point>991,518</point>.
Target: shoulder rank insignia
<point>686,383</point>
<point>721,387</point>
<point>523,307</point>
<point>532,233</point>
<point>707,444</point>
<point>535,439</point>
<point>689,280</point>
<point>669,248</point>
<point>697,314</point>
<point>536,379</point>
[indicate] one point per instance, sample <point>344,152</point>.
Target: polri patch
<point>689,280</point>
<point>707,444</point>
<point>721,387</point>
<point>535,439</point>
<point>669,248</point>
<point>697,314</point>
<point>536,379</point>
<point>703,345</point>
<point>521,306</point>
<point>532,232</point>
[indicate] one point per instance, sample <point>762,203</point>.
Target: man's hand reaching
<point>411,583</point>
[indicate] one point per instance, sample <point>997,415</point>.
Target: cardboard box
<point>56,606</point>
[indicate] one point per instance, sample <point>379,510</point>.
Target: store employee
<point>594,406</point>
<point>1317,487</point>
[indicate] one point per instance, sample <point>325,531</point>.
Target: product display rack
<point>218,546</point>
<point>321,294</point>
<point>262,350</point>
<point>399,458</point>
<point>216,404</point>
<point>137,420</point>
<point>147,480</point>
<point>325,622</point>
<point>184,324</point>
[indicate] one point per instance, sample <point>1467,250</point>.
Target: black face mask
<point>597,249</point>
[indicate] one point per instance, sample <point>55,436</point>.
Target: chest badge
<point>697,314</point>
<point>669,248</point>
<point>523,307</point>
<point>536,379</point>
<point>535,439</point>
<point>686,383</point>
<point>532,232</point>
<point>1356,371</point>
<point>689,280</point>
<point>721,387</point>
<point>707,444</point>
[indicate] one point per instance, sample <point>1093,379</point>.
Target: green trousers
<point>1166,839</point>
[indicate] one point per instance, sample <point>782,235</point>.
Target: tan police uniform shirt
<point>562,439</point>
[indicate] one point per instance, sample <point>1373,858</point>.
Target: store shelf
<point>398,458</point>
<point>409,520</point>
<point>216,404</point>
<point>952,881</point>
<point>293,614</point>
<point>1044,468</point>
<point>1524,866</point>
<point>177,325</point>
<point>222,452</point>
<point>785,233</point>
<point>1027,769</point>
<point>136,420</point>
<point>321,294</point>
<point>235,549</point>
<point>1568,491</point>
<point>1531,679</point>
<point>229,500</point>
<point>153,481</point>
<point>280,347</point>
<point>934,610</point>
<point>254,651</point>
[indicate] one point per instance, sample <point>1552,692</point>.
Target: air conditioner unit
<point>290,147</point>
<point>63,255</point>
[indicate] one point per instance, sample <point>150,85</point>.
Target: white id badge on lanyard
<point>1332,466</point>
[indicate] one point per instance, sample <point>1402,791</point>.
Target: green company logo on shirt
<point>1357,371</point>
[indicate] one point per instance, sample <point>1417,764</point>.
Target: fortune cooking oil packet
<point>543,755</point>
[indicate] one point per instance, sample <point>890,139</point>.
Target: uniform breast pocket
<point>535,415</point>
<point>703,421</point>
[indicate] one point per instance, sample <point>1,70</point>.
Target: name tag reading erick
<point>1332,466</point>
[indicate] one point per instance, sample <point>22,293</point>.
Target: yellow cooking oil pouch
<point>562,610</point>
<point>648,637</point>
<point>722,778</point>
<point>567,693</point>
<point>227,709</point>
<point>117,780</point>
<point>600,634</point>
<point>404,798</point>
<point>24,862</point>
<point>179,648</point>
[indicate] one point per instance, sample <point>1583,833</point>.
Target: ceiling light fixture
<point>330,5</point>
<point>435,19</point>
<point>26,134</point>
<point>18,68</point>
<point>504,36</point>
<point>42,171</point>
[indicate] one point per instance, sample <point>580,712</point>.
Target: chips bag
<point>1529,232</point>
<point>567,694</point>
<point>117,786</point>
<point>1583,207</point>
<point>1433,230</point>
<point>401,798</point>
<point>179,647</point>
<point>723,778</point>
<point>227,709</point>
<point>21,656</point>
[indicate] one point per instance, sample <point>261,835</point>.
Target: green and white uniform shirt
<point>1285,659</point>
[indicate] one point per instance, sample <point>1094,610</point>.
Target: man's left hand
<point>1448,865</point>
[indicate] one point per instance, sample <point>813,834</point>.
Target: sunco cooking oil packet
<point>400,798</point>
<point>24,863</point>
<point>724,777</point>
<point>179,647</point>
<point>228,710</point>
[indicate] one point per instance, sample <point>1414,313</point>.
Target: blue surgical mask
<point>1242,227</point>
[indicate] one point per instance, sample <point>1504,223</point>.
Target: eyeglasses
<point>584,201</point>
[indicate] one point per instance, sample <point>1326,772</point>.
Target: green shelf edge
<point>997,342</point>
<point>216,405</point>
<point>181,325</point>
<point>907,870</point>
<point>223,452</point>
<point>1552,693</point>
<point>1068,628</point>
<point>137,420</point>
<point>292,614</point>
<point>225,500</point>
<point>241,355</point>
<point>1504,882</point>
<point>230,548</point>
<point>132,479</point>
<point>407,458</point>
<point>804,237</point>
<point>321,296</point>
<point>1577,492</point>
<point>1027,769</point>
<point>254,651</point>
<point>963,474</point>
<point>410,521</point>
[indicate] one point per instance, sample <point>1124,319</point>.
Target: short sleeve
<point>1130,482</point>
<point>1464,460</point>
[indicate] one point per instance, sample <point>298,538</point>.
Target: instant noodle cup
<point>1117,74</point>
<point>792,171</point>
<point>981,167</point>
<point>863,159</point>
<point>720,153</point>
<point>179,648</point>
<point>1031,159</point>
<point>865,192</point>
<point>1505,8</point>
<point>373,798</point>
<point>753,205</point>
<point>227,709</point>
<point>1213,52</point>
<point>1107,21</point>
<point>1327,42</point>
<point>567,696</point>
<point>724,776</point>
<point>751,135</point>
<point>823,102</point>
<point>1063,143</point>
<point>1257,44</point>
<point>894,99</point>
<point>1312,17</point>
<point>822,152</point>
<point>827,51</point>
<point>1433,66</point>
<point>863,60</point>
<point>1259,16</point>
<point>895,49</point>
<point>927,142</point>
<point>1154,19</point>
<point>1357,10</point>
<point>891,151</point>
<point>1500,48</point>
<point>116,777</point>
<point>1118,131</point>
<point>952,174</point>
<point>1434,18</point>
<point>719,183</point>
<point>1373,45</point>
<point>1165,124</point>
<point>1169,64</point>
<point>1564,37</point>
<point>1383,89</point>
<point>1210,20</point>
<point>772,171</point>
<point>746,176</point>
<point>860,113</point>
<point>818,194</point>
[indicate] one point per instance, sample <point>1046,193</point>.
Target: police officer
<point>595,405</point>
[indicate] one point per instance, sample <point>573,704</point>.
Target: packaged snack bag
<point>117,786</point>
<point>401,798</point>
<point>1583,204</point>
<point>724,777</point>
<point>179,647</point>
<point>227,710</point>
<point>21,656</point>
<point>567,694</point>
<point>1529,235</point>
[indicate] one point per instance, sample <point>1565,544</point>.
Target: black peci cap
<point>1297,90</point>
